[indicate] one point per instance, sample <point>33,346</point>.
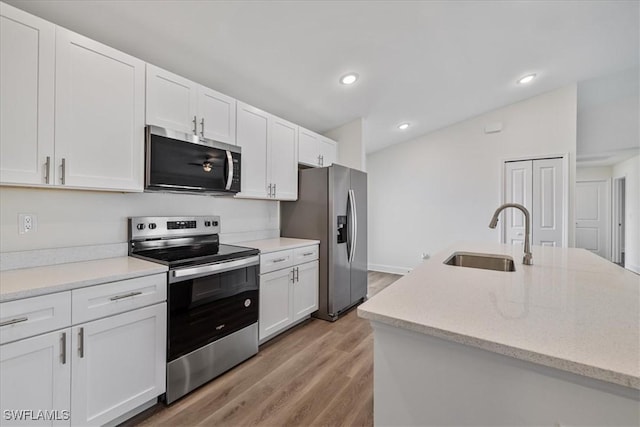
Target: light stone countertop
<point>570,310</point>
<point>31,282</point>
<point>278,244</point>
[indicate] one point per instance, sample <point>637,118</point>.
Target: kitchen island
<point>554,343</point>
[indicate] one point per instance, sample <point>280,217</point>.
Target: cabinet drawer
<point>306,254</point>
<point>32,316</point>
<point>275,261</point>
<point>117,297</point>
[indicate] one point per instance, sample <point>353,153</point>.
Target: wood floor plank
<point>318,373</point>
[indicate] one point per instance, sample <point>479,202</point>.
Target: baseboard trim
<point>634,268</point>
<point>390,269</point>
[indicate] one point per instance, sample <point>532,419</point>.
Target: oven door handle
<point>183,274</point>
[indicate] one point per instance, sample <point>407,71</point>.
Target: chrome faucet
<point>528,258</point>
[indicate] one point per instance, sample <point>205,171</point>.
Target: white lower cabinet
<point>104,362</point>
<point>289,294</point>
<point>118,364</point>
<point>35,376</point>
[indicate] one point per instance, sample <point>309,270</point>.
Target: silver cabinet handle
<point>321,160</point>
<point>195,125</point>
<point>297,274</point>
<point>279,260</point>
<point>81,342</point>
<point>63,350</point>
<point>202,125</point>
<point>275,191</point>
<point>64,171</point>
<point>129,295</point>
<point>319,164</point>
<point>14,321</point>
<point>269,190</point>
<point>307,253</point>
<point>47,170</point>
<point>293,275</point>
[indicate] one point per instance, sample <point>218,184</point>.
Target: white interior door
<point>546,221</point>
<point>592,217</point>
<point>518,189</point>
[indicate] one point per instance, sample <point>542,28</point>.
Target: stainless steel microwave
<point>183,162</point>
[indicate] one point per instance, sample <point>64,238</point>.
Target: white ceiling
<point>431,63</point>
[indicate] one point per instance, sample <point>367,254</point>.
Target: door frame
<point>565,191</point>
<point>616,199</point>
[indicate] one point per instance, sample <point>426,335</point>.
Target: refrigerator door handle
<point>353,224</point>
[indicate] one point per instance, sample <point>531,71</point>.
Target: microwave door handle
<point>229,170</point>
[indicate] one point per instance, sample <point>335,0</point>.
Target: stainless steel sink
<point>484,261</point>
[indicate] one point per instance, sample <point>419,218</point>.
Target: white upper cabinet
<point>27,61</point>
<point>328,151</point>
<point>171,100</point>
<point>315,150</point>
<point>99,122</point>
<point>252,136</point>
<point>283,159</point>
<point>269,155</point>
<point>217,115</point>
<point>176,103</point>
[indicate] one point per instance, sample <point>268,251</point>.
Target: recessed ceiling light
<point>526,79</point>
<point>349,79</point>
<point>403,126</point>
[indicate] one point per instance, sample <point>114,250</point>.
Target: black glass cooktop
<point>195,254</point>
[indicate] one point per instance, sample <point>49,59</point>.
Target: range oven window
<point>208,308</point>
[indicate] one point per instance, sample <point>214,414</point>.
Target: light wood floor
<point>318,373</point>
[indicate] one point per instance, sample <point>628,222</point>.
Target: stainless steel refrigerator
<point>332,208</point>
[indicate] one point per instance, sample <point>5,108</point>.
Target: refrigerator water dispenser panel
<point>342,229</point>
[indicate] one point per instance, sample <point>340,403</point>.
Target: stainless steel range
<point>212,297</point>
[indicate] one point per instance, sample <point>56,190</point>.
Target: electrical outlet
<point>27,223</point>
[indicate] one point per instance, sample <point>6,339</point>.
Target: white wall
<point>595,173</point>
<point>351,151</point>
<point>631,170</point>
<point>443,187</point>
<point>608,111</point>
<point>75,218</point>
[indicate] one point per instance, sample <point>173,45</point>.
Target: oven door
<point>183,162</point>
<point>205,308</point>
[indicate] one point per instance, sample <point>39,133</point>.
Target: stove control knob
<point>140,226</point>
<point>152,225</point>
<point>215,223</point>
<point>247,302</point>
<point>207,223</point>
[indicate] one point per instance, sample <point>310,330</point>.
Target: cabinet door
<point>119,363</point>
<point>283,159</point>
<point>99,128</point>
<point>216,115</point>
<point>27,70</point>
<point>327,149</point>
<point>36,375</point>
<point>308,153</point>
<point>275,302</point>
<point>305,290</point>
<point>252,135</point>
<point>546,214</point>
<point>518,189</point>
<point>171,100</point>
